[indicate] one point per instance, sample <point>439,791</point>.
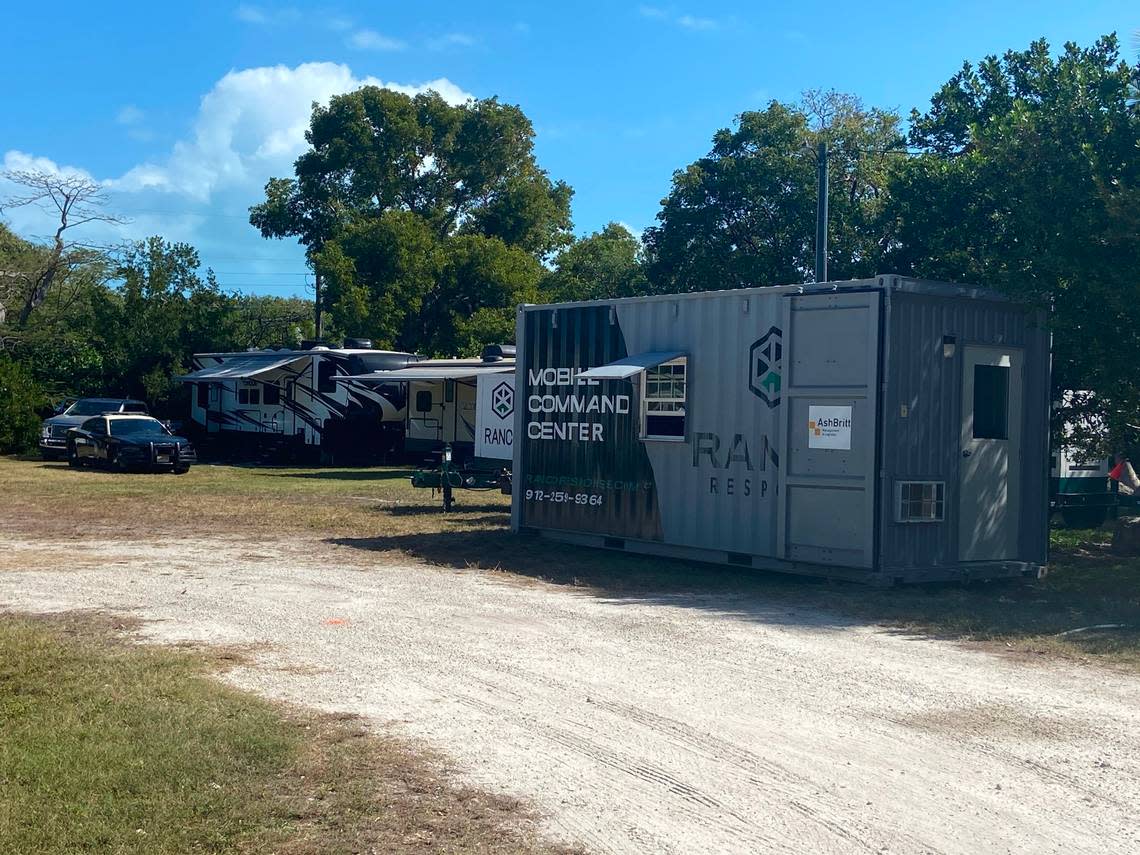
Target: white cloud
<point>129,115</point>
<point>250,126</point>
<point>682,20</point>
<point>691,22</point>
<point>372,40</point>
<point>261,16</point>
<point>450,40</point>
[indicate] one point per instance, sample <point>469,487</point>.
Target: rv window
<point>243,396</point>
<point>423,401</point>
<point>214,393</point>
<point>255,396</point>
<point>272,395</point>
<point>203,395</point>
<point>991,402</point>
<point>663,394</point>
<point>326,371</point>
<point>448,391</point>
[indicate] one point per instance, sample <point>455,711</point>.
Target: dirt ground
<point>690,722</point>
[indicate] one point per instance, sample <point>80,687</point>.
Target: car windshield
<point>91,407</point>
<point>134,427</point>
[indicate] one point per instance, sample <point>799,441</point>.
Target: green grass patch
<point>111,748</point>
<point>108,746</point>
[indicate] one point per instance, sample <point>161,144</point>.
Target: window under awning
<point>241,368</point>
<point>623,369</point>
<point>442,372</point>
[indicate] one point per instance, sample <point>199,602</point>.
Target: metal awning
<point>430,373</point>
<point>623,369</point>
<point>241,367</point>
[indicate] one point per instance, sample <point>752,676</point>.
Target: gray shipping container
<point>884,430</point>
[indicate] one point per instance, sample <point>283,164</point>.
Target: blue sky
<point>184,110</point>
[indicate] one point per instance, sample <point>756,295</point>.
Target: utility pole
<point>820,216</point>
<point>317,304</point>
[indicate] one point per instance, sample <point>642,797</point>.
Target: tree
<point>744,214</point>
<point>75,200</point>
<point>393,196</point>
<point>20,401</point>
<point>605,264</point>
<point>1028,181</point>
<point>162,312</point>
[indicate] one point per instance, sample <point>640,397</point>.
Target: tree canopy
<point>1028,181</point>
<point>744,215</point>
<point>428,221</point>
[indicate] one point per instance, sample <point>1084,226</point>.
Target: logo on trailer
<point>503,400</point>
<point>764,366</point>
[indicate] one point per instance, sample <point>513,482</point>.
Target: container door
<point>988,475</point>
<point>826,483</point>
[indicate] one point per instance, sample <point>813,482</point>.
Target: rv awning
<point>623,369</point>
<point>240,368</point>
<point>442,372</point>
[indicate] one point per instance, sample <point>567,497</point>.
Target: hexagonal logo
<point>503,400</point>
<point>765,366</point>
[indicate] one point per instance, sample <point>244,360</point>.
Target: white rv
<point>441,397</point>
<point>293,401</point>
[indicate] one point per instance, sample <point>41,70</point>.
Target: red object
<point>1117,471</point>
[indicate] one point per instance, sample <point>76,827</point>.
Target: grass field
<point>107,746</point>
<point>378,513</point>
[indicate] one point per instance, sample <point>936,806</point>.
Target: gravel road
<point>666,725</point>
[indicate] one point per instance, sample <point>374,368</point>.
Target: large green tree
<point>744,214</point>
<point>1028,181</point>
<point>608,263</point>
<point>420,215</point>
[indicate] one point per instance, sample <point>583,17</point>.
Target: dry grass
<point>377,514</point>
<point>51,500</point>
<point>111,746</point>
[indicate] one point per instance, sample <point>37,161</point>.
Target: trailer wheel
<point>1084,517</point>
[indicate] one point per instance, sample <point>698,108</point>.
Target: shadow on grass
<point>500,513</point>
<point>345,474</point>
<point>1086,587</point>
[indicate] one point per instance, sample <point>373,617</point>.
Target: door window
<point>991,402</point>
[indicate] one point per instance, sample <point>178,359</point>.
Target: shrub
<point>20,401</point>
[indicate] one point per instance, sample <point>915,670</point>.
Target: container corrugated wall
<point>925,444</point>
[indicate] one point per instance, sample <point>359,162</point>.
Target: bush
<point>20,400</point>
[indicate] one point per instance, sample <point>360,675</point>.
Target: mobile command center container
<point>884,430</point>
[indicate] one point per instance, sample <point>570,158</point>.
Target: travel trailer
<point>442,397</point>
<point>882,430</point>
<point>299,402</point>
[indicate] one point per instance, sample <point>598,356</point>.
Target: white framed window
<point>664,392</point>
<point>920,501</point>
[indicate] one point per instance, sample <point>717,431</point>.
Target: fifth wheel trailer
<point>883,430</point>
<point>293,401</point>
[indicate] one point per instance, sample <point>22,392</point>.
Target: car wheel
<point>181,470</point>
